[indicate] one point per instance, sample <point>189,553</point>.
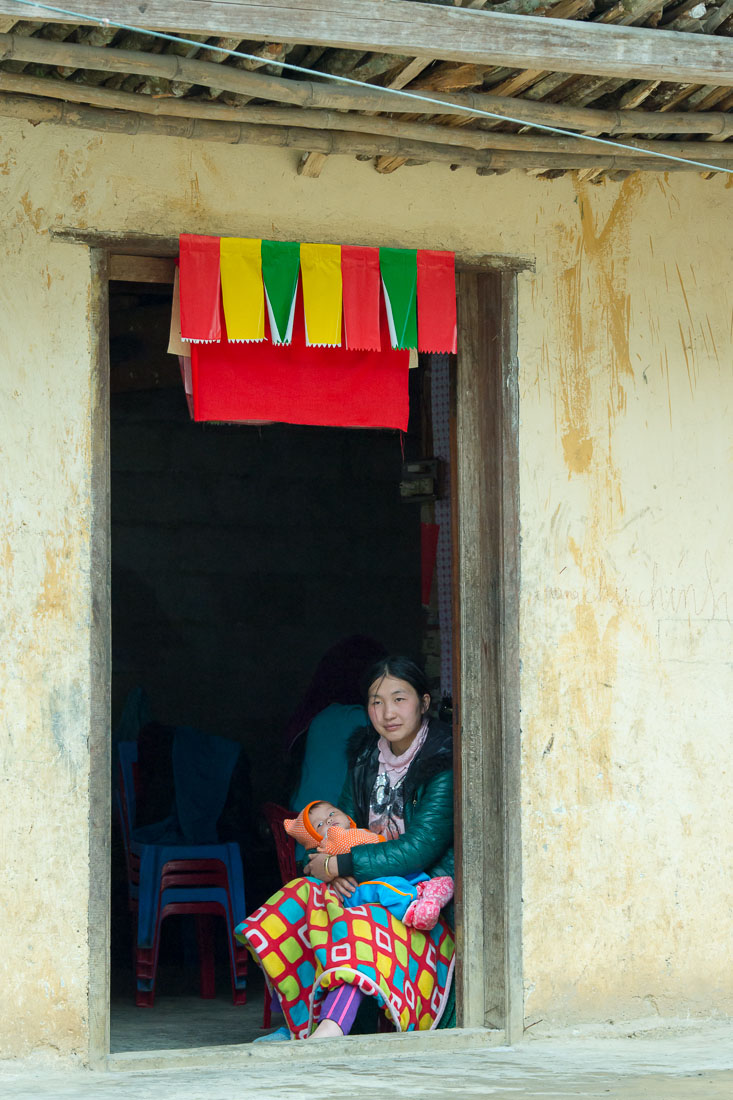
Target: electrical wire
<point>402,93</point>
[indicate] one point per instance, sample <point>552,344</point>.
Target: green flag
<point>399,276</point>
<point>280,270</point>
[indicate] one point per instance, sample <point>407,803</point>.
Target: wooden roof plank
<point>453,34</point>
<point>715,123</point>
<point>349,143</point>
<point>306,93</point>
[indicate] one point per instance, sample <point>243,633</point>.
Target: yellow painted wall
<point>626,388</point>
<point>627,605</point>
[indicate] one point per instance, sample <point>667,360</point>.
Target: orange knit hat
<point>301,829</point>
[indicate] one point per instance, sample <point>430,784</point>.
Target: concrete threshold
<point>322,1051</point>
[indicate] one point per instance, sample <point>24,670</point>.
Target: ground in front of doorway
<point>684,1062</point>
<point>177,1023</point>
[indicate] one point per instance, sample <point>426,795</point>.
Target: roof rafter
<point>134,123</point>
<point>458,34</point>
<point>308,94</point>
<point>349,122</point>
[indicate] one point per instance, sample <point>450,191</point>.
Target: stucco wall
<point>627,388</point>
<point>626,384</point>
<point>44,637</point>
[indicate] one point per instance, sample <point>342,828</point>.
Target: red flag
<point>361,286</point>
<point>436,301</point>
<point>296,384</point>
<point>200,280</point>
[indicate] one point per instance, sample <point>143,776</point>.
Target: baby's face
<point>324,815</point>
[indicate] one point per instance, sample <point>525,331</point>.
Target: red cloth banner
<point>296,384</point>
<point>361,291</point>
<point>436,301</point>
<point>200,281</point>
<point>429,533</point>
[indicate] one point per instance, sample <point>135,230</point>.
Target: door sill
<point>323,1051</point>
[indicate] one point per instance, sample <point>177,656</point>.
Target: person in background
<point>331,710</point>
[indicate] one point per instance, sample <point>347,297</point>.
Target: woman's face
<point>396,711</point>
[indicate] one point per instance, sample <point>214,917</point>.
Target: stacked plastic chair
<point>285,849</point>
<point>199,880</point>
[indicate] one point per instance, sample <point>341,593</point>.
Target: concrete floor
<point>680,1061</point>
<point>176,1022</point>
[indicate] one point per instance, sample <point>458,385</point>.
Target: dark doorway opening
<point>240,554</point>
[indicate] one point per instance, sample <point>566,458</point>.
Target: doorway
<point>485,638</point>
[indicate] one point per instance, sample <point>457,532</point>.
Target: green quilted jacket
<point>427,843</point>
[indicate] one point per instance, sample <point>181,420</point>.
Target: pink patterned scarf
<point>386,804</point>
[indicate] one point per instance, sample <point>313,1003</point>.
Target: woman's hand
<point>343,886</point>
<point>316,867</point>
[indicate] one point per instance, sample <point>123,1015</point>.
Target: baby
<point>415,899</point>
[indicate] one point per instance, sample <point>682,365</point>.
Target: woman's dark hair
<point>336,680</point>
<point>402,668</point>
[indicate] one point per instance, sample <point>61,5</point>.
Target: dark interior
<point>240,554</point>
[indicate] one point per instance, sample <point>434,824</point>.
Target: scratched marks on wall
<point>594,309</point>
<point>576,676</point>
<point>671,596</point>
<point>627,604</point>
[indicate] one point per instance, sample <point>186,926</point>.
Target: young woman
<point>321,958</point>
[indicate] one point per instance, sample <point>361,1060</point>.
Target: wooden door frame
<point>100,669</point>
<point>487,726</point>
<point>486,537</point>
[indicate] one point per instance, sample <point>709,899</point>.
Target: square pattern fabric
<point>307,943</point>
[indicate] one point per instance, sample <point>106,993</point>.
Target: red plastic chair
<point>202,911</point>
<point>187,875</point>
<point>275,817</point>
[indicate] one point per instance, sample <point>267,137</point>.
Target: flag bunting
<point>245,290</point>
<point>200,288</point>
<point>241,288</point>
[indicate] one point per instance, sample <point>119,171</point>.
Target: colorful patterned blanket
<point>307,943</point>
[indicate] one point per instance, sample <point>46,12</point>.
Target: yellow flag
<point>320,267</point>
<point>242,291</point>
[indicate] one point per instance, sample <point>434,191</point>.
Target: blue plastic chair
<point>148,864</point>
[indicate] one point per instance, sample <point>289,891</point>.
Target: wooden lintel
<point>142,245</point>
<point>449,33</point>
<point>140,269</point>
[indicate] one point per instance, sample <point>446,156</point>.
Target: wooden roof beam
<point>44,88</point>
<point>311,164</point>
<point>134,123</point>
<point>304,93</point>
<point>448,33</point>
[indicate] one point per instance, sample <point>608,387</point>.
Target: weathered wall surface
<point>626,385</point>
<point>44,637</point>
<point>626,399</point>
